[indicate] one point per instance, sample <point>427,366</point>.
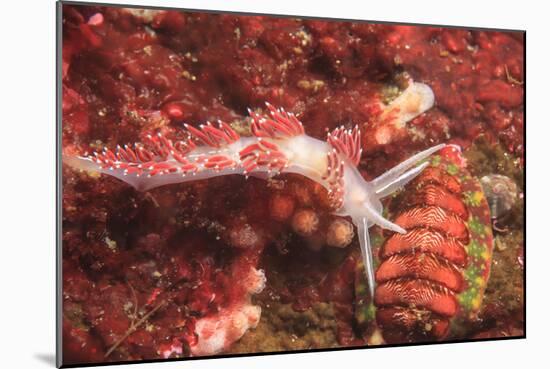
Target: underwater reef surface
<point>185,269</point>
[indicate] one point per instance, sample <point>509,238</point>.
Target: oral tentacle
<point>377,218</point>
<point>400,181</point>
<point>395,172</point>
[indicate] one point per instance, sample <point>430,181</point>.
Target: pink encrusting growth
<point>217,332</point>
<point>278,145</point>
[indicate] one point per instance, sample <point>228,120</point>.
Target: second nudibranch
<point>278,145</point>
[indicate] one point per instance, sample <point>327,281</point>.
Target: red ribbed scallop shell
<point>437,176</point>
<point>435,195</point>
<point>426,241</point>
<point>434,217</point>
<point>421,272</point>
<point>421,266</point>
<point>398,319</point>
<point>417,294</point>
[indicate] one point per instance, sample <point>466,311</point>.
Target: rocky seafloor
<point>142,269</point>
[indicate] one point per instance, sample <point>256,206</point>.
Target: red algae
<point>144,272</point>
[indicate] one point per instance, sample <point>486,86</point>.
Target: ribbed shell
<point>425,278</point>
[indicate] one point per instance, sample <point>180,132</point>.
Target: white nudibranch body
<point>278,145</point>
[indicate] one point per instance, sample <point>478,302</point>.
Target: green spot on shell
<point>436,160</point>
<point>452,169</point>
<point>472,198</point>
<point>476,226</point>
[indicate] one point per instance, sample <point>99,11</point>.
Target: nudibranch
<point>278,145</point>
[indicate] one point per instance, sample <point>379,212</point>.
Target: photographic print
<point>241,184</point>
